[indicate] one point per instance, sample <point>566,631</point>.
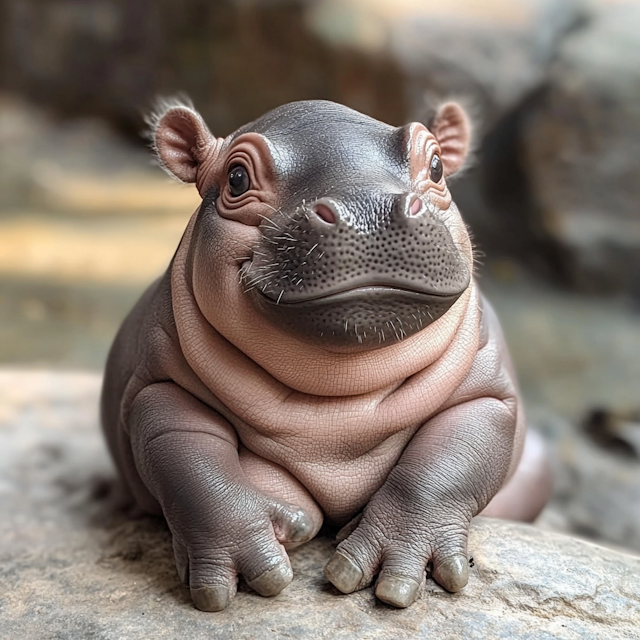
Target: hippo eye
<point>239,182</point>
<point>435,168</point>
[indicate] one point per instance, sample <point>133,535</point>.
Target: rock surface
<point>71,567</point>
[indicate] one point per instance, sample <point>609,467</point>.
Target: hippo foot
<point>209,558</point>
<point>397,535</point>
<point>222,524</point>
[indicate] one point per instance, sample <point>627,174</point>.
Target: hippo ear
<point>182,140</point>
<point>452,129</point>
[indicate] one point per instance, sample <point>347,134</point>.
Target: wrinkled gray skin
<point>318,349</point>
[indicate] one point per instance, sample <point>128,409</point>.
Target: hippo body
<point>318,349</point>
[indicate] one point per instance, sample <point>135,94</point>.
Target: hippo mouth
<point>367,292</point>
<point>362,317</point>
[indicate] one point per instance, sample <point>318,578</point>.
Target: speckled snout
<point>361,269</point>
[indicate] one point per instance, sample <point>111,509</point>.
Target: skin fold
<point>318,349</point>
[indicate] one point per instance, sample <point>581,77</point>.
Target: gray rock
<point>72,568</point>
<point>597,491</point>
<point>581,146</point>
<point>491,54</point>
<point>586,360</point>
<point>573,352</point>
<point>21,126</point>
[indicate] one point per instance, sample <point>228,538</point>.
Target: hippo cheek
<point>365,318</point>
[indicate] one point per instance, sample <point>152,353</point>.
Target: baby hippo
<point>317,349</point>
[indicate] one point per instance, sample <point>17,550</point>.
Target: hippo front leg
<point>222,526</point>
<point>449,472</point>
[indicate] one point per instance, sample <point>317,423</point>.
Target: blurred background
<point>552,199</point>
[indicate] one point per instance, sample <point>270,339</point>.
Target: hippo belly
<point>318,474</point>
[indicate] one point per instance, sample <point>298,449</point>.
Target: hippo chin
<point>318,349</point>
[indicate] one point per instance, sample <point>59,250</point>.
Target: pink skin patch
<point>416,207</point>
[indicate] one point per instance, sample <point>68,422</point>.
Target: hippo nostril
<point>415,207</point>
<point>324,212</point>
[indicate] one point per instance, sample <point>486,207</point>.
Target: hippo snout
<point>360,270</point>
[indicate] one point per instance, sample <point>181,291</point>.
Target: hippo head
<point>336,228</point>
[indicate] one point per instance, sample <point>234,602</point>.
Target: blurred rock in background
<point>235,58</point>
<point>581,151</point>
<point>86,222</point>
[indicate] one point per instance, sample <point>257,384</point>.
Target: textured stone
<point>71,567</point>
<point>581,147</point>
